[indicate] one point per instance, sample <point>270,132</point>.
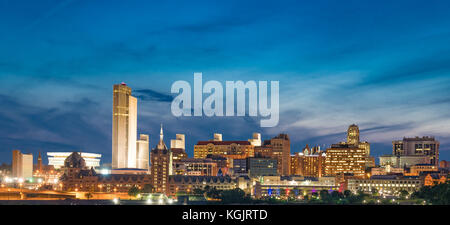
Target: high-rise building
<point>124,128</point>
<point>256,140</point>
<point>281,151</point>
<point>418,146</point>
<point>142,152</point>
<point>161,165</point>
<point>310,162</point>
<point>353,135</point>
<point>344,158</point>
<point>178,147</point>
<point>178,142</point>
<point>22,165</point>
<point>351,157</point>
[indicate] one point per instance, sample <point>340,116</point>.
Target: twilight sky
<point>384,65</point>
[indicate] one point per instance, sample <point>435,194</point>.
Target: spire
<point>161,135</point>
<point>161,144</point>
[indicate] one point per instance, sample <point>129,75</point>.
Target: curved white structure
<point>57,159</point>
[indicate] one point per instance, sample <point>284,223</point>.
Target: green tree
<point>134,191</point>
<point>198,191</point>
<point>403,194</point>
<point>324,195</point>
<point>436,195</point>
<point>374,192</point>
<point>236,195</point>
<point>88,195</point>
<point>213,193</point>
<point>347,193</point>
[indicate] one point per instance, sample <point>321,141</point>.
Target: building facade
<point>402,161</point>
<point>385,184</point>
<point>280,147</point>
<point>142,160</point>
<point>229,149</point>
<point>352,157</point>
<point>22,165</point>
<point>57,159</point>
<point>124,130</point>
<point>258,167</point>
<point>195,167</point>
<point>161,166</point>
<point>310,162</point>
<point>186,184</point>
<point>343,158</point>
<point>78,177</point>
<point>271,186</point>
<point>418,146</point>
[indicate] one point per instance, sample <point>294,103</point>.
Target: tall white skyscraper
<point>124,128</point>
<point>22,165</point>
<point>179,142</point>
<point>142,152</point>
<point>256,140</point>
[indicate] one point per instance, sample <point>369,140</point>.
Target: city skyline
<point>361,64</point>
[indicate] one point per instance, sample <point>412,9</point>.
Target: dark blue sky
<point>383,65</point>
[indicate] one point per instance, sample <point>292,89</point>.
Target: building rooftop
<point>223,142</point>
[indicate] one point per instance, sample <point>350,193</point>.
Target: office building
<point>385,184</point>
<point>444,164</point>
<point>228,149</point>
<point>178,154</point>
<point>178,142</point>
<point>195,167</point>
<point>280,149</point>
<point>310,162</point>
<point>124,130</point>
<point>351,157</point>
<point>56,159</point>
<point>178,147</point>
<point>283,186</point>
<point>401,161</point>
<point>258,167</point>
<point>343,158</point>
<point>142,159</point>
<point>22,165</point>
<point>256,140</point>
<point>418,146</point>
<point>240,167</point>
<point>418,169</point>
<point>161,165</point>
<point>187,184</point>
<point>386,170</point>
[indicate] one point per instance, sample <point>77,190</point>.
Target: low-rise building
<point>432,179</point>
<point>269,186</point>
<point>386,184</point>
<point>195,167</point>
<point>416,170</point>
<point>401,161</point>
<point>386,170</point>
<point>186,184</point>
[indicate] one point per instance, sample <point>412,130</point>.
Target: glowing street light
<point>116,201</point>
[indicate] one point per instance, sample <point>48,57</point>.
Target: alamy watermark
<point>213,104</point>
